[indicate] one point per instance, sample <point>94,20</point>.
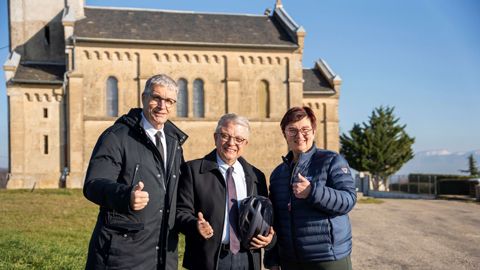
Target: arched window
<point>182,98</point>
<point>198,99</point>
<point>112,96</point>
<point>263,100</point>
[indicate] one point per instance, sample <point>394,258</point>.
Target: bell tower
<point>36,30</point>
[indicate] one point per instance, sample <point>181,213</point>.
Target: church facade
<point>74,69</point>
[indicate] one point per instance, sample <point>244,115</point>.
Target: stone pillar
<point>142,81</point>
<point>17,137</point>
<point>332,127</point>
<point>76,131</point>
<point>233,91</point>
<point>295,81</point>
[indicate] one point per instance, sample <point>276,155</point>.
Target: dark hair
<point>296,114</point>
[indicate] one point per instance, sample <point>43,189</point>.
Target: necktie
<point>232,212</point>
<point>158,141</point>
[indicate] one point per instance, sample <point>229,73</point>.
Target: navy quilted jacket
<point>316,228</point>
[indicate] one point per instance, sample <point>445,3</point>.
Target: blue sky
<point>421,56</point>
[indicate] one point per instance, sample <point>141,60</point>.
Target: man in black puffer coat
<point>133,176</point>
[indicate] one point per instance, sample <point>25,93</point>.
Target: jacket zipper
<point>292,224</point>
<point>330,232</point>
<point>172,160</point>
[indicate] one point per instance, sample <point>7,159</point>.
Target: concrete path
<point>416,234</point>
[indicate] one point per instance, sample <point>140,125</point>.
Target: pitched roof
<point>315,83</point>
<point>170,27</point>
<point>39,73</point>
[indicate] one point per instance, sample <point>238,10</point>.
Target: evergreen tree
<point>472,166</point>
<point>380,146</point>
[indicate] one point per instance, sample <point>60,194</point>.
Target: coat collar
<point>302,159</point>
<point>134,118</point>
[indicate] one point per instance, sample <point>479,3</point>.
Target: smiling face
<point>155,108</point>
<point>303,137</point>
<point>227,142</point>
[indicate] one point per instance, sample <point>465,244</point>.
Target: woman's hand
<point>301,188</point>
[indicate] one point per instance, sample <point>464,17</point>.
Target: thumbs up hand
<point>204,227</point>
<point>301,188</point>
<point>138,198</point>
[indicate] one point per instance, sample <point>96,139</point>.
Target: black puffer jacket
<point>123,238</point>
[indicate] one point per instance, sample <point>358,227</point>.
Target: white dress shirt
<point>151,131</point>
<point>240,186</point>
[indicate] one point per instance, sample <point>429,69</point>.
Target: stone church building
<point>74,69</point>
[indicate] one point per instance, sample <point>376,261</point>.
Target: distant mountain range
<point>439,162</point>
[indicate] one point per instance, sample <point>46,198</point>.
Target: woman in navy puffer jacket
<point>312,192</point>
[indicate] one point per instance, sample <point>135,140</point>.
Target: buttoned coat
<point>202,188</point>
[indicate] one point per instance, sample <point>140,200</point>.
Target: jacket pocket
<point>124,251</point>
<point>123,223</point>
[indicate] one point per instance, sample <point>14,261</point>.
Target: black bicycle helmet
<point>255,217</point>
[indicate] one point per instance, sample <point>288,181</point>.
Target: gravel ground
<point>416,234</point>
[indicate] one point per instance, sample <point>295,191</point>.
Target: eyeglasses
<point>292,132</point>
<point>158,100</point>
<point>226,138</point>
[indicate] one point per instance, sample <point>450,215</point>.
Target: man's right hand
<point>204,227</point>
<point>138,198</point>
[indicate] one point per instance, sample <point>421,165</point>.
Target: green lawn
<point>45,229</point>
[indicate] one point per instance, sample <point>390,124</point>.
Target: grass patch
<point>46,229</point>
<point>369,200</point>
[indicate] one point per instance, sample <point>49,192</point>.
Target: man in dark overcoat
<point>209,193</point>
<point>133,177</point>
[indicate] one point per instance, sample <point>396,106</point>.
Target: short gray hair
<point>162,80</point>
<point>233,118</point>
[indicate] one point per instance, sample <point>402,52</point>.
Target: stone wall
<point>36,126</point>
<point>231,78</point>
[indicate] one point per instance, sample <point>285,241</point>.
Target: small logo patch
<point>345,170</point>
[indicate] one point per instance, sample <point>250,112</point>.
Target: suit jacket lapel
<point>250,177</point>
<point>209,164</point>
